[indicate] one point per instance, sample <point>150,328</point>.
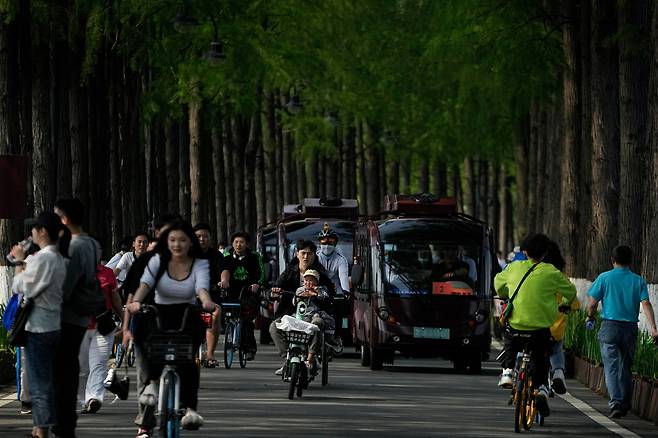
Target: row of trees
<point>536,115</point>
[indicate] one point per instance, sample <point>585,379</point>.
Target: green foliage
<point>4,344</point>
<point>585,343</point>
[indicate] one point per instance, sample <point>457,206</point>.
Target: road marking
<point>4,401</point>
<point>598,417</point>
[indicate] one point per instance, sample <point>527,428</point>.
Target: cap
<point>312,273</point>
<point>47,219</point>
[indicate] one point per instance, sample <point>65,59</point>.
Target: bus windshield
<point>424,257</point>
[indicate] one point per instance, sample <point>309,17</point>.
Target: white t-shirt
<point>171,291</point>
<point>124,265</point>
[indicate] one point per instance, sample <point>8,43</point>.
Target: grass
<point>585,343</point>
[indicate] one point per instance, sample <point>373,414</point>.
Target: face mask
<point>327,249</point>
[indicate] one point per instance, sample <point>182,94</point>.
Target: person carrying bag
<point>38,322</point>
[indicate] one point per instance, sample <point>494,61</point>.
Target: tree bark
<point>183,169</point>
<point>229,177</point>
<point>470,191</point>
<point>605,137</point>
<point>240,138</point>
<point>362,178</point>
<point>424,180</point>
<point>371,169</point>
<point>269,146</point>
<point>570,157</point>
<point>533,144</point>
<point>394,177</point>
<point>220,180</point>
<point>43,169</point>
<point>633,84</point>
<point>522,182</point>
<point>194,108</point>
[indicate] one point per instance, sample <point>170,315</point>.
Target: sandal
<point>210,363</point>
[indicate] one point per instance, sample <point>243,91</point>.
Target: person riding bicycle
<point>179,275</point>
<point>315,296</point>
<point>535,308</point>
<point>242,269</point>
<point>289,281</point>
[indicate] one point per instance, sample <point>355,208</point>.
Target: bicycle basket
<point>170,348</point>
<point>296,337</point>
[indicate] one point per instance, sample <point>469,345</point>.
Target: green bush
<point>585,343</point>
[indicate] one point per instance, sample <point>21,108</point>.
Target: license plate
<point>345,323</point>
<point>431,333</point>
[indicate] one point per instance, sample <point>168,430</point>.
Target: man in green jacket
<point>535,308</point>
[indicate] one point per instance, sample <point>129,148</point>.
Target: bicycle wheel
<point>228,346</point>
<point>168,417</point>
<point>519,404</point>
<point>238,341</point>
<point>119,356</point>
<point>325,364</point>
<point>303,379</point>
<point>130,355</point>
<point>530,408</point>
<point>294,377</point>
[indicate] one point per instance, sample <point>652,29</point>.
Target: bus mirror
<point>357,275</point>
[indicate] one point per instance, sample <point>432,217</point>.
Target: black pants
<point>539,342</point>
<point>67,373</point>
<point>248,337</point>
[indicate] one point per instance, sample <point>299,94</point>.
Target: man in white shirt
<point>140,242</point>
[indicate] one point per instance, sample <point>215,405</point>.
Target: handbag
<point>16,335</point>
<point>105,323</point>
<point>10,311</point>
<point>506,313</point>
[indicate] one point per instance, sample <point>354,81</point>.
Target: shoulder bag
<point>506,313</point>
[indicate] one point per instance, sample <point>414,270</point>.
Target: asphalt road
<point>413,398</point>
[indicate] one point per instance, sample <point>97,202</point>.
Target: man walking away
<point>80,272</point>
<point>621,292</point>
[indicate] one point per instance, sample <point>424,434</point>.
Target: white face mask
<point>327,249</point>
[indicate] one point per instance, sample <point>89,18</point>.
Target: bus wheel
<point>376,359</point>
<point>365,355</point>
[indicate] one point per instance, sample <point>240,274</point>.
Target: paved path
<point>413,398</point>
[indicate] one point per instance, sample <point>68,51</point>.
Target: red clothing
<point>108,283</point>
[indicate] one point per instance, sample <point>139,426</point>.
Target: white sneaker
<point>506,379</point>
<point>541,397</point>
<point>279,372</point>
<point>559,385</point>
<point>191,420</point>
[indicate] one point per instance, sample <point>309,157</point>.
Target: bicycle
<point>170,348</point>
<point>524,392</point>
<point>296,371</point>
<point>232,312</point>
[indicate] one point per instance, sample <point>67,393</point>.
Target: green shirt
<point>535,305</point>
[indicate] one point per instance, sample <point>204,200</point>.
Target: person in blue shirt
<point>621,293</point>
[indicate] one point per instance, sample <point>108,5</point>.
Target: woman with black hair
<point>40,279</point>
<point>179,276</point>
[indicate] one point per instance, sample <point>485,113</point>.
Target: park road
<point>419,398</point>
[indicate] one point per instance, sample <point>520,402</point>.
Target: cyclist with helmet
<point>334,263</point>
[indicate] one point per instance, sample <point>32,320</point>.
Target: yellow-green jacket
<point>535,305</point>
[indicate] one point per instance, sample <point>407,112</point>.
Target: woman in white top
<point>40,281</point>
<point>179,276</point>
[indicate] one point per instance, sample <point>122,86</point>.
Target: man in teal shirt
<point>621,292</point>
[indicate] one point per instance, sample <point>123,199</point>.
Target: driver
<point>451,268</point>
<point>334,262</point>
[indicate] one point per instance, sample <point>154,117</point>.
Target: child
<point>315,297</point>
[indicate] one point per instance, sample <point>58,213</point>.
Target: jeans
<point>67,370</point>
<point>95,350</point>
<point>22,385</point>
<point>617,340</point>
<point>557,355</point>
<point>41,348</point>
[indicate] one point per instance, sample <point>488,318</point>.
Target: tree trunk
<point>424,180</point>
<point>470,191</point>
<point>381,184</point>
<point>541,170</point>
<point>271,170</point>
<point>240,138</point>
<point>183,169</point>
<point>493,198</point>
<point>250,181</point>
<point>482,200</point>
<point>261,180</point>
<point>362,178</point>
<point>115,172</point>
<point>522,182</point>
<point>394,177</point>
<point>458,193</point>
<point>650,250</point>
<point>570,157</point>
<point>311,170</point>
<point>194,108</point>
<point>533,146</point>
<point>633,84</point>
<point>171,155</point>
<point>42,157</point>
<point>372,169</point>
<point>439,182</point>
<point>287,180</point>
<point>405,181</point>
<point>229,177</point>
<point>605,137</point>
<point>347,168</point>
<point>220,180</point>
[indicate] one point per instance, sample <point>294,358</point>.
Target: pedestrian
<point>216,266</point>
<point>125,246</point>
<point>41,281</point>
<point>80,273</point>
<point>621,292</point>
<point>97,344</point>
<point>138,244</point>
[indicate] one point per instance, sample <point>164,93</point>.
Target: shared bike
<point>524,390</point>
